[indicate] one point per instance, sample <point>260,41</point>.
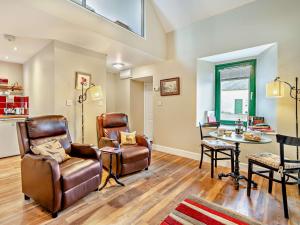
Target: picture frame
<point>83,77</point>
<point>170,86</point>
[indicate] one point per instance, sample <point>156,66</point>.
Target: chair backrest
<point>215,124</point>
<point>38,130</point>
<point>200,129</point>
<point>110,124</point>
<point>286,140</point>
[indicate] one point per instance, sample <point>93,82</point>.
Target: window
<point>235,91</point>
<point>128,14</point>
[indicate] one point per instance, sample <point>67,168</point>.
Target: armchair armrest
<point>85,151</point>
<point>142,140</point>
<point>37,170</point>
<point>107,142</point>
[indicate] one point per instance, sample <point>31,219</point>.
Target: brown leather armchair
<point>56,186</point>
<point>133,157</point>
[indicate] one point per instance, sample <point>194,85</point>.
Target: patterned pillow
<point>53,149</point>
<point>128,138</point>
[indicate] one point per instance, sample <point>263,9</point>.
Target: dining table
<point>238,139</point>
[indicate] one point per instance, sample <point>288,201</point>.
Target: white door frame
<point>148,128</point>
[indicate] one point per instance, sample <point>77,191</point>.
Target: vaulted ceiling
<point>36,22</point>
<point>176,14</point>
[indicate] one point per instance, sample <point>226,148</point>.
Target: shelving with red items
<point>14,102</point>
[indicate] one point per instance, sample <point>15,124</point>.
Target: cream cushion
<point>53,149</point>
<point>271,160</point>
<point>128,138</point>
<point>217,144</point>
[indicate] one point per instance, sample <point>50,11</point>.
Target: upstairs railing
<point>126,13</point>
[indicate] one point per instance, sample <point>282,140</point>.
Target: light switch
<point>69,102</point>
<point>159,103</point>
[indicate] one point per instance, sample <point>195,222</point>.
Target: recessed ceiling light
<point>15,48</point>
<point>118,65</point>
<point>6,57</point>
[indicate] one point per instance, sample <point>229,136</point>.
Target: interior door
<point>148,110</point>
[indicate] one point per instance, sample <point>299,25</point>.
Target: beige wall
<point>126,96</point>
<point>39,82</point>
<point>123,96</point>
<point>248,26</point>
<point>11,71</point>
<point>137,106</point>
<point>68,60</point>
<point>49,80</point>
<point>111,91</point>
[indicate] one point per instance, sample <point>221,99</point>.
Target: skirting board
<point>192,155</point>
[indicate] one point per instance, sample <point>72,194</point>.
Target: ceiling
<point>21,49</point>
<point>34,23</point>
<point>239,54</point>
<point>175,14</point>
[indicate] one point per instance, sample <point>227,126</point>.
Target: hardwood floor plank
<point>148,197</point>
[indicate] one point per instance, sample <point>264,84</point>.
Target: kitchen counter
<point>8,135</point>
<point>12,117</point>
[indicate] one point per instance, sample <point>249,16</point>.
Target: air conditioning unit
<point>125,74</point>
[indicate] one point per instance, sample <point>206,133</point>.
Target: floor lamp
<point>276,89</point>
<point>96,95</point>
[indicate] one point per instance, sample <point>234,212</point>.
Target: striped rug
<point>194,210</point>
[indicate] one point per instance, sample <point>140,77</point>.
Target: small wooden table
<point>237,139</point>
<point>111,151</point>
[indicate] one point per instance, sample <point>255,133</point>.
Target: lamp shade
<point>274,89</point>
<point>96,93</point>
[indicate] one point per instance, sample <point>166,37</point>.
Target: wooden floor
<point>148,196</point>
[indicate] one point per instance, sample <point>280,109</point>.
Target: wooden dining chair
<point>289,170</point>
<point>212,148</point>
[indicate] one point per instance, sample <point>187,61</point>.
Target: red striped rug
<point>194,210</point>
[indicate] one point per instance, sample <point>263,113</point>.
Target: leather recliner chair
<point>56,186</point>
<point>133,158</point>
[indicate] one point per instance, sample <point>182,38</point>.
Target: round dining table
<point>237,140</point>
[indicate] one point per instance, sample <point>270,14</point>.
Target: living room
<point>162,73</point>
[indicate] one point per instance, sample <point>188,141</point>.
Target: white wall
<point>205,87</point>
<point>266,71</point>
<point>11,71</point>
<point>255,24</point>
<point>39,82</point>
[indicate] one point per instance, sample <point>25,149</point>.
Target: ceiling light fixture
<point>118,65</point>
<point>15,48</point>
<point>6,57</point>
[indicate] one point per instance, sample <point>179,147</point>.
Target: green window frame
<point>252,92</point>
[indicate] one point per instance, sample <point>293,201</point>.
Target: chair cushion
<point>271,160</point>
<point>53,149</point>
<point>128,138</point>
<point>217,144</point>
<point>134,153</point>
<point>76,171</point>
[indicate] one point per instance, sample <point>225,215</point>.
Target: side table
<point>111,151</point>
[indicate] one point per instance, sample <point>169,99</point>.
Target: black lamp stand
<point>82,98</point>
<point>294,92</point>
